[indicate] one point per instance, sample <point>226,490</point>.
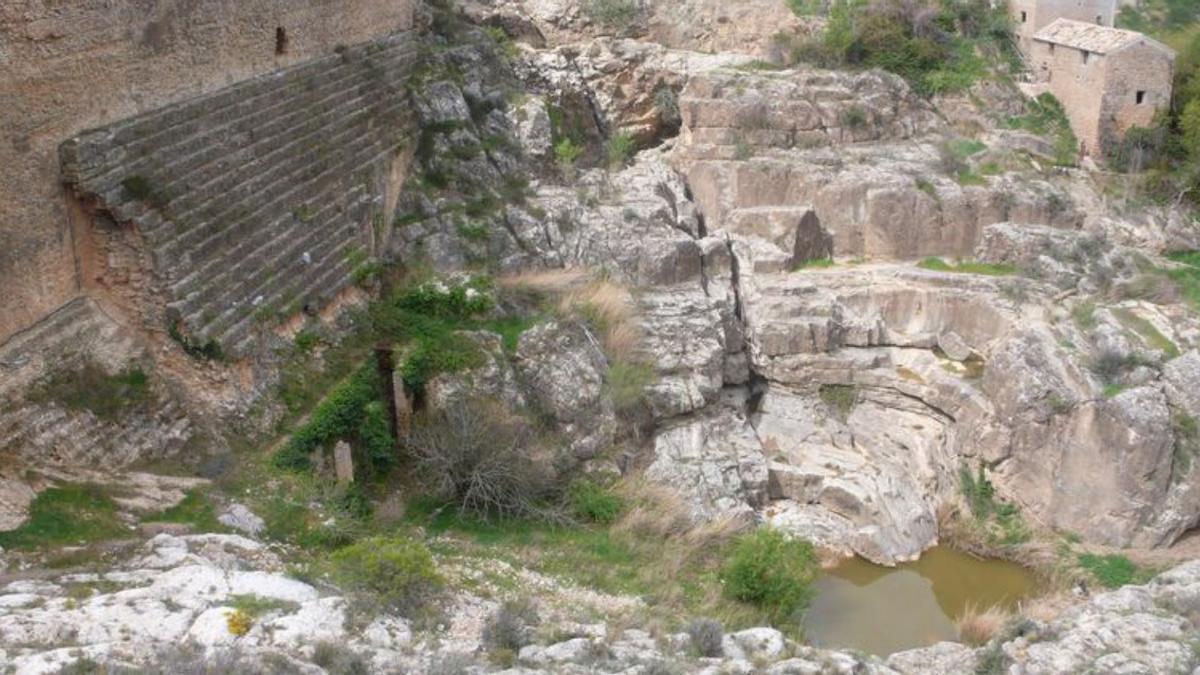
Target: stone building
<point>1108,80</point>
<point>1031,16</point>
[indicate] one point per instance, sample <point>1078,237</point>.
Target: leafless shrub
<point>480,456</point>
<point>510,626</point>
<point>706,636</point>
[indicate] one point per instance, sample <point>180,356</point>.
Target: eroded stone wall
<point>69,66</point>
<point>248,205</point>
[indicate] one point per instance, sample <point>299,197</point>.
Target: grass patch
<point>1045,117</point>
<point>108,397</point>
<point>511,328</point>
<point>195,510</point>
<point>968,267</point>
<point>814,264</point>
<point>840,397</point>
<point>627,383</point>
<point>67,515</point>
<point>254,606</point>
<point>1187,278</point>
<point>1146,330</point>
<point>1000,521</point>
<point>1110,571</point>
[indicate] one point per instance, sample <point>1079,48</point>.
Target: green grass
<point>1000,521</point>
<point>1112,389</point>
<point>627,383</point>
<point>511,328</point>
<point>968,267</point>
<point>814,264</point>
<point>1146,330</point>
<point>676,580</point>
<point>255,606</point>
<point>195,510</point>
<point>1046,117</point>
<point>1110,571</point>
<point>1187,278</point>
<point>67,515</point>
<point>841,397</point>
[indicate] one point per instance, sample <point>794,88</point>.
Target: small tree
<point>773,571</point>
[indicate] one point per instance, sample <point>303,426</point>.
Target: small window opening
<point>1100,19</point>
<point>281,41</point>
<point>1024,17</point>
<point>1141,96</point>
<point>1086,54</point>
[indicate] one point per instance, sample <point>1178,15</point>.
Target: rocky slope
<point>182,590</point>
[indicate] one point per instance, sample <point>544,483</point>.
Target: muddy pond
<point>881,610</point>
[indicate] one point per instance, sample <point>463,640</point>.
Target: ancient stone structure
<point>249,205</point>
<point>72,66</point>
<point>1030,16</point>
<point>1108,80</point>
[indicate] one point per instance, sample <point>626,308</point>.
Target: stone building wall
<point>1077,85</point>
<point>1141,68</point>
<point>1030,16</point>
<point>69,66</point>
<point>248,205</point>
<point>1099,92</point>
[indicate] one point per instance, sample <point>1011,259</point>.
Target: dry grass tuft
<point>1046,607</point>
<point>608,309</point>
<point>977,626</point>
<point>549,282</point>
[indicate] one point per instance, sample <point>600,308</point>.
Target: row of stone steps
<point>268,185</point>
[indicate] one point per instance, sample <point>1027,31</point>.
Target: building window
<point>1024,17</point>
<point>281,41</point>
<point>1086,54</point>
<point>1141,96</point>
<point>1099,20</point>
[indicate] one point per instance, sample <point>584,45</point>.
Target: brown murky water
<point>881,610</point>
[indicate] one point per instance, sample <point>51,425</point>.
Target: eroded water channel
<point>882,610</point>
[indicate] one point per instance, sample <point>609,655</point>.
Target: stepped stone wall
<point>69,66</point>
<point>247,205</point>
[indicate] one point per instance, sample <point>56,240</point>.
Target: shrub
<point>616,15</point>
<point>510,626</point>
<point>395,573</point>
<point>477,455</point>
<point>853,117</point>
<point>108,397</point>
<point>588,501</point>
<point>566,152</point>
<point>841,397</point>
<point>337,659</point>
<point>337,417</point>
<point>1110,364</point>
<point>706,636</point>
<point>627,383</point>
<point>238,622</point>
<point>772,571</point>
<point>620,148</point>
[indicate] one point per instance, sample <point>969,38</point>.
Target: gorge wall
<point>73,66</point>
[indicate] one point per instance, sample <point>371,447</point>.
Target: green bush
<point>566,152</point>
<point>620,148</point>
<point>772,571</point>
<point>589,501</point>
<point>335,418</point>
<point>394,573</point>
